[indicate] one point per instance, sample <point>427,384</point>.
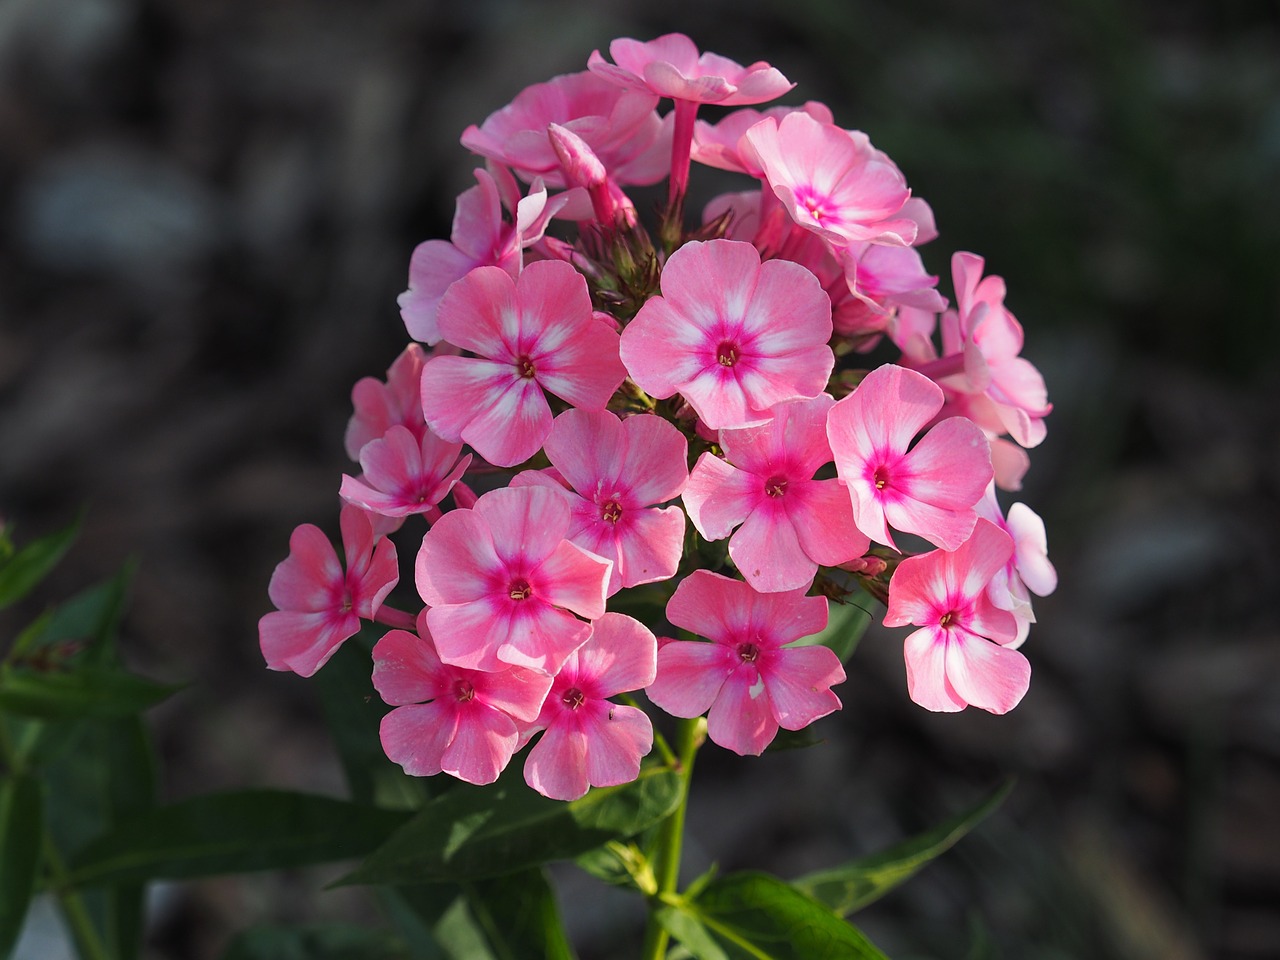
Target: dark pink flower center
<point>573,698</point>
<point>611,511</point>
<point>525,366</point>
<point>463,691</point>
<point>881,477</point>
<point>775,486</point>
<point>727,353</point>
<point>947,619</point>
<point>748,652</point>
<point>519,589</point>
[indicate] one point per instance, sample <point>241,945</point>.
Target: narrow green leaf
<point>317,942</point>
<point>472,833</point>
<point>760,917</point>
<point>436,922</point>
<point>21,827</point>
<point>131,777</point>
<point>32,564</point>
<point>233,833</point>
<point>692,935</point>
<point>850,887</point>
<point>519,917</point>
<point>81,691</point>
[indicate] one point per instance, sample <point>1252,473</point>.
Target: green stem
<point>689,736</point>
<point>83,932</point>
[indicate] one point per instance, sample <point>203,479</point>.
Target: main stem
<point>689,736</point>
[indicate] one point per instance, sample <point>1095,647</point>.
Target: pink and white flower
<point>587,740</point>
<point>961,656</point>
<point>379,406</point>
<point>533,333</point>
<point>787,522</point>
<point>465,723</point>
<point>503,583</point>
<point>732,335</point>
<point>930,489</point>
<point>1028,569</point>
<point>404,474</point>
<point>749,678</point>
<point>619,470</point>
<point>319,605</point>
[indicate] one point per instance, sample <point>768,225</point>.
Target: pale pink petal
<point>478,313</point>
<point>655,465</point>
<point>303,641</point>
<point>822,515</point>
<point>541,637</point>
<point>433,268</point>
<point>741,719</point>
<point>587,447</point>
<point>468,635</point>
<point>482,746</point>
<point>690,675</point>
<point>406,669</point>
<point>620,736</point>
<point>719,496</point>
<point>1032,548</point>
<point>515,691</point>
<point>767,551</point>
<point>557,765</point>
<point>527,524</point>
<point>573,578</point>
<point>416,736</point>
<point>650,546</point>
<point>917,591</point>
<point>926,657</point>
<point>799,681</point>
<point>457,561</point>
<point>305,579</point>
<point>586,368</point>
<point>621,656</point>
<point>986,674</point>
<point>513,427</point>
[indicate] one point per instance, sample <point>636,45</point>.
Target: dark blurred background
<point>207,209</point>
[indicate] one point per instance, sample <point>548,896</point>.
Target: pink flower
<point>379,406</point>
<point>952,661</point>
<point>718,145</point>
<point>621,127</point>
<point>929,490</point>
<point>404,474</point>
<point>991,339</point>
<point>529,334</point>
<point>749,680</point>
<point>790,522</point>
<point>1028,569</point>
<point>589,741</point>
<point>318,604</point>
<point>671,66</point>
<point>732,335</point>
<point>465,723</point>
<point>503,582</point>
<point>832,181</point>
<point>618,470</point>
<point>480,237</point>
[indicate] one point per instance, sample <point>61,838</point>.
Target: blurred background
<point>207,209</point>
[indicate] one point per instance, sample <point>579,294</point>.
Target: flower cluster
<point>598,419</point>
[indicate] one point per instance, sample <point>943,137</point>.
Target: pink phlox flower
<point>749,677</point>
<point>1009,460</point>
<point>621,126</point>
<point>465,723</point>
<point>879,281</point>
<point>533,333</point>
<point>318,604</point>
<point>588,741</point>
<point>503,583</point>
<point>671,66</point>
<point>480,237</point>
<point>732,335</point>
<point>991,339</point>
<point>961,655</point>
<point>831,181</point>
<point>787,522</point>
<point>1028,569</point>
<point>929,490</point>
<point>717,144</point>
<point>379,406</point>
<point>618,470</point>
<point>404,474</point>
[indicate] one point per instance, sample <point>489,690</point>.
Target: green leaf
<point>317,942</point>
<point>846,624</point>
<point>21,828</point>
<point>851,887</point>
<point>82,691</point>
<point>760,917</point>
<point>519,917</point>
<point>472,833</point>
<point>89,620</point>
<point>233,833</point>
<point>32,564</point>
